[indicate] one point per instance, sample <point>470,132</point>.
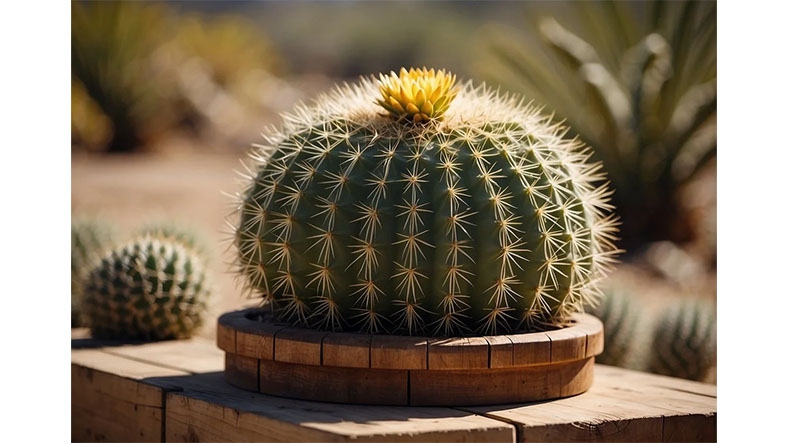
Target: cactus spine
<point>685,341</point>
<point>460,212</point>
<point>148,288</point>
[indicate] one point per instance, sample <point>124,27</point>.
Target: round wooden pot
<point>277,359</point>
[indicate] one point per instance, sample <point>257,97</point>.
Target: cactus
<point>620,315</point>
<point>149,288</point>
<point>88,238</point>
<point>458,211</point>
<point>685,340</point>
<point>638,84</point>
<point>168,229</point>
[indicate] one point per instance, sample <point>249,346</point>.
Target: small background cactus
<point>148,288</point>
<point>464,215</point>
<point>621,316</point>
<point>89,236</point>
<point>684,342</point>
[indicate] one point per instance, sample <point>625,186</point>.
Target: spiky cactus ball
<point>89,237</point>
<point>408,204</point>
<point>685,340</point>
<point>149,288</point>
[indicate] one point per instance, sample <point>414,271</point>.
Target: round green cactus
<point>148,289</point>
<point>88,238</point>
<point>621,316</point>
<point>685,340</point>
<point>481,218</point>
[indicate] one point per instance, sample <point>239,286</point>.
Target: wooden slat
<point>458,353</point>
<point>243,372</point>
<point>225,337</point>
<point>393,352</point>
<point>530,349</point>
<point>108,401</point>
<point>501,351</point>
<point>616,408</point>
<point>567,344</point>
<point>196,355</point>
<point>499,386</point>
<point>334,384</point>
<point>209,409</point>
<point>592,326</point>
<point>297,345</point>
<point>347,350</point>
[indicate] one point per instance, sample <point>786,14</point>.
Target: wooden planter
<point>307,364</point>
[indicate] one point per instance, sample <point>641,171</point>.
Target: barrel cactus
<point>621,316</point>
<point>411,204</point>
<point>89,237</point>
<point>149,288</point>
<point>685,340</point>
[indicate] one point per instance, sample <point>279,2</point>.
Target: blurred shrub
<point>111,45</point>
<point>637,81</point>
<point>145,70</point>
<point>620,314</point>
<point>90,127</point>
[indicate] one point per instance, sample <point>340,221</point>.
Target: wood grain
<point>395,352</point>
<point>501,351</point>
<point>243,372</point>
<point>334,384</point>
<point>347,350</point>
<point>297,345</point>
<point>499,386</point>
<point>621,405</point>
<point>458,353</point>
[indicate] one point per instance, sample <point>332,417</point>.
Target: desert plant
<point>111,45</point>
<point>685,340</point>
<point>175,231</point>
<point>620,314</point>
<point>458,211</point>
<point>148,288</point>
<point>89,237</point>
<point>637,81</point>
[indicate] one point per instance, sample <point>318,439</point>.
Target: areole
<point>274,358</point>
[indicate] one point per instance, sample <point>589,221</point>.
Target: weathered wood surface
<point>176,390</point>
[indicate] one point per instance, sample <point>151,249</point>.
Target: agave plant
<point>635,81</point>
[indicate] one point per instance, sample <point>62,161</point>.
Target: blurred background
<point>167,96</point>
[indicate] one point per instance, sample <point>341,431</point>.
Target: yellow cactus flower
<point>418,94</point>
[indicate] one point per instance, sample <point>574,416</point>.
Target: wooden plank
<point>243,372</point>
<point>334,384</point>
<point>209,409</point>
<point>297,345</point>
<point>258,342</point>
<point>593,327</point>
<point>225,337</point>
<point>347,350</point>
<point>501,351</point>
<point>458,353</point>
<point>110,403</point>
<point>615,409</point>
<point>393,352</point>
<point>530,349</point>
<point>501,386</point>
<point>567,344</point>
<point>194,356</point>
